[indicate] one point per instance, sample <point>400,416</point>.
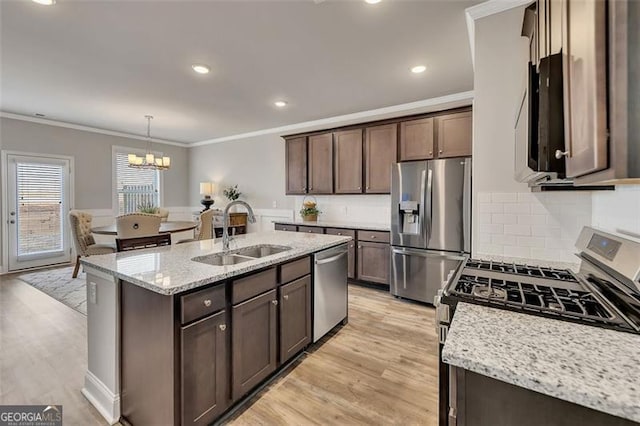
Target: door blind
<point>40,215</point>
<point>135,187</point>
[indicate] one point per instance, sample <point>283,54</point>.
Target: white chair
<point>205,227</point>
<point>137,225</point>
<point>83,240</point>
<point>163,213</point>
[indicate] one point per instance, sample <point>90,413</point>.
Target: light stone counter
<point>170,270</point>
<point>589,366</point>
<point>338,224</point>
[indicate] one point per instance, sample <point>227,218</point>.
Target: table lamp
<point>206,190</point>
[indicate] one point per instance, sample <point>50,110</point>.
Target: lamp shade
<point>206,188</point>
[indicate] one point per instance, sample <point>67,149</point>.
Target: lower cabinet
<point>295,317</point>
<point>254,342</point>
<point>351,272</point>
<point>373,262</point>
<point>204,370</point>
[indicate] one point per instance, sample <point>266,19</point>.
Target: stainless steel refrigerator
<point>430,224</point>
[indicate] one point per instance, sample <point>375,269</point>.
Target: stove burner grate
<point>517,269</point>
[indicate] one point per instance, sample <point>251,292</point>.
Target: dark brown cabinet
<point>310,229</point>
<point>454,134</point>
<point>373,262</point>
<point>320,165</point>
<point>416,139</point>
<point>351,255</point>
<point>204,370</point>
<point>285,227</point>
<point>295,317</point>
<point>380,153</point>
<point>348,162</point>
<point>254,342</point>
<point>296,165</point>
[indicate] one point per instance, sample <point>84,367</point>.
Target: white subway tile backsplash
<point>532,219</point>
<point>484,218</point>
<point>505,240</point>
<point>504,197</point>
<point>531,241</point>
<point>490,208</point>
<point>504,218</point>
<point>517,230</point>
<point>517,251</point>
<point>492,228</point>
<point>518,208</point>
<point>483,197</point>
<point>544,231</point>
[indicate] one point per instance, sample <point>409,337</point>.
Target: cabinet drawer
<point>253,285</point>
<point>311,229</point>
<point>201,303</point>
<point>296,269</point>
<point>283,227</point>
<point>373,236</point>
<point>339,231</point>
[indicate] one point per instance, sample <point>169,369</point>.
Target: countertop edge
<point>337,224</point>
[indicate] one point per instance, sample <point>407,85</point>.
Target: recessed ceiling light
<point>280,104</point>
<point>373,1</point>
<point>45,2</point>
<point>418,69</point>
<point>201,69</point>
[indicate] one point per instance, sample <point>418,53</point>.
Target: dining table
<point>168,226</point>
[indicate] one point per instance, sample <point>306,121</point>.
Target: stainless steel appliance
<point>329,290</point>
<point>430,224</point>
<point>605,292</point>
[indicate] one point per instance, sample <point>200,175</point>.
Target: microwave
<point>539,127</point>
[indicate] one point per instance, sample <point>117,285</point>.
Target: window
<point>133,187</point>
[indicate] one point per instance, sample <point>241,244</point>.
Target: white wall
<point>618,210</point>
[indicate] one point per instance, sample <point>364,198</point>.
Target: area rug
<point>59,284</point>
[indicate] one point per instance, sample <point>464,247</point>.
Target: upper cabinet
<point>416,139</point>
<point>320,166</point>
<point>348,161</point>
<point>380,153</point>
<point>585,85</point>
<point>296,165</point>
<point>454,134</point>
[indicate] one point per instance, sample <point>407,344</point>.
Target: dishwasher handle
<point>332,258</point>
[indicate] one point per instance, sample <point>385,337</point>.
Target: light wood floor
<point>380,369</point>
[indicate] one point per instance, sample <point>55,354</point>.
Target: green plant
<point>232,193</point>
<point>309,211</point>
<point>147,208</point>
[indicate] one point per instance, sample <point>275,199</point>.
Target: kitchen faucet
<point>225,221</point>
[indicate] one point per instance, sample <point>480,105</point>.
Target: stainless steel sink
<point>262,251</point>
<point>241,255</point>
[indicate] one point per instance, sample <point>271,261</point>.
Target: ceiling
<point>106,64</point>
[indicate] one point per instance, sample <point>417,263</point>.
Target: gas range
<point>599,294</point>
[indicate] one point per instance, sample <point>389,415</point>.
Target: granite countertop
<point>170,270</point>
<point>338,224</point>
<point>589,366</point>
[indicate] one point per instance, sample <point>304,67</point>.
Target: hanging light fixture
<point>149,161</point>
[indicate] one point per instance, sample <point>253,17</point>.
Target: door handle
<point>12,221</point>
<point>12,213</point>
<point>331,259</point>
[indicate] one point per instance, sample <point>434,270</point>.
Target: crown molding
<point>488,8</point>
<point>418,107</point>
<point>87,128</point>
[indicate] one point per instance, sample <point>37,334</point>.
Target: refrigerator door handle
<point>429,209</point>
<point>405,252</point>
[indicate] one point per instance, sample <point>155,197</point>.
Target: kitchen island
<point>179,334</point>
<point>512,364</point>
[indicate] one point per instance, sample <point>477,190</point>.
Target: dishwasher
<point>329,290</point>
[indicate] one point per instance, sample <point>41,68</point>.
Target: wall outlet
<point>93,292</point>
<point>274,204</point>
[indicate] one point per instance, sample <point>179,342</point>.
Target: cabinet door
<point>296,159</point>
<point>585,97</point>
<point>373,262</point>
<point>351,255</point>
<point>381,153</point>
<point>253,342</point>
<point>348,161</point>
<point>311,229</point>
<point>284,227</point>
<point>454,135</point>
<point>416,139</point>
<point>204,371</point>
<point>295,317</point>
<point>321,164</point>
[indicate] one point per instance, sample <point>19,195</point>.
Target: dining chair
<point>164,214</point>
<point>137,225</point>
<point>205,227</point>
<point>136,243</point>
<point>83,240</point>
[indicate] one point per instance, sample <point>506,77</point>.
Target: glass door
<point>38,205</point>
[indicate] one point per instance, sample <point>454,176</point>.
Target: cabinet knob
<point>440,152</point>
<point>285,297</point>
<point>430,152</point>
<point>311,188</point>
<point>560,154</point>
<point>351,246</point>
<point>368,187</point>
<point>373,237</point>
<point>275,302</point>
<point>207,302</point>
<point>222,327</point>
<point>359,187</point>
<point>339,233</point>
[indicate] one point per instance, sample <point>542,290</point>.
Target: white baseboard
<point>105,401</point>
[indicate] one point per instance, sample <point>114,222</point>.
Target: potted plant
<point>309,211</point>
<point>232,193</point>
<point>147,208</point>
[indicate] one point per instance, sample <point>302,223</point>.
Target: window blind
<point>135,187</point>
<point>40,192</point>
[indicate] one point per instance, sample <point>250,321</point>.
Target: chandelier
<point>149,161</point>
